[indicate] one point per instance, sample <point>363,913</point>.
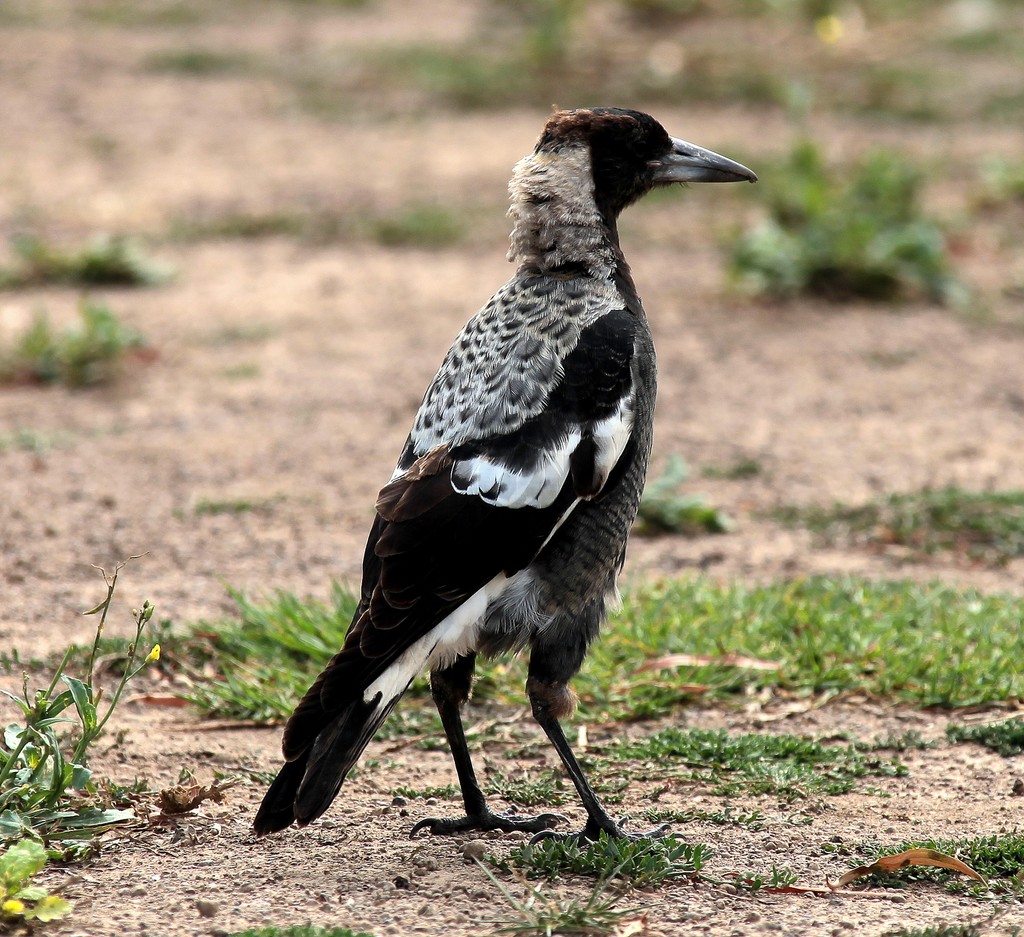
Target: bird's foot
<point>595,827</point>
<point>446,826</point>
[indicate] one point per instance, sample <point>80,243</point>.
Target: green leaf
<point>13,824</point>
<point>82,696</point>
<point>50,908</point>
<point>30,893</point>
<point>80,776</point>
<point>21,862</point>
<point>91,820</point>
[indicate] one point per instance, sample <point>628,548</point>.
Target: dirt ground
<point>287,374</point>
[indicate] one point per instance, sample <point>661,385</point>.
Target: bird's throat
<point>556,221</point>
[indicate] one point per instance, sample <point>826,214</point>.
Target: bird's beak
<point>689,163</point>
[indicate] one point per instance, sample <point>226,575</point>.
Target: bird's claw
<point>594,828</point>
<point>446,826</point>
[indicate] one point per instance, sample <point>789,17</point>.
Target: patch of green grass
<point>855,233</point>
<point>417,224</point>
<point>430,226</point>
<point>545,788</point>
<point>198,63</point>
<point>414,793</point>
<point>245,225</point>
<point>735,471</point>
<point>928,645</point>
<point>211,506</point>
<point>268,656</point>
<point>663,510</point>
<point>1006,737</point>
<point>90,353</point>
<point>242,372</point>
<point>1002,181</point>
<point>941,930</point>
<point>301,930</point>
<point>787,766</point>
<point>905,742</point>
<point>131,14</point>
<point>985,527</point>
<point>27,440</point>
<point>752,820</point>
<point>1004,106</point>
<point>105,261</point>
<point>644,862</point>
<point>246,333</point>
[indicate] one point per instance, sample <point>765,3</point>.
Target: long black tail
<point>306,787</point>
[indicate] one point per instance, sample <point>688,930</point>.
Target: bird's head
<point>588,165</point>
<point>630,153</point>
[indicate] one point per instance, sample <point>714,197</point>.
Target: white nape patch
<point>611,435</point>
<point>457,634</point>
<point>503,487</point>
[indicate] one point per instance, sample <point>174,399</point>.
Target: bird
<point>504,525</point>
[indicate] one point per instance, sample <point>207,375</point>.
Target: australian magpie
<point>504,524</point>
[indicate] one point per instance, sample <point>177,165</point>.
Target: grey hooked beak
<point>690,163</point>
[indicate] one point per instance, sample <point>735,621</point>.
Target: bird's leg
<point>551,699</point>
<point>450,690</point>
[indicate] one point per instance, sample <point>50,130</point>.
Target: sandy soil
<point>287,373</point>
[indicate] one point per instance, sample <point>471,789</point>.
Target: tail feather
<point>277,812</point>
<point>306,786</point>
<point>335,753</point>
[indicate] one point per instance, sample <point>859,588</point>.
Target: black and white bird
<point>504,524</point>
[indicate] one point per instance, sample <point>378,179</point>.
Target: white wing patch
<point>494,482</point>
<point>611,436</point>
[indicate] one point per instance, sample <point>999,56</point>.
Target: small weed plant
<point>86,354</point>
<point>663,510</point>
<point>596,915</point>
<point>47,792</point>
<point>106,261</point>
<point>20,900</point>
<point>857,234</point>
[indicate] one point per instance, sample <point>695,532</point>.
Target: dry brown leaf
<point>159,699</point>
<point>670,661</point>
<point>183,798</point>
<point>909,857</point>
<point>632,928</point>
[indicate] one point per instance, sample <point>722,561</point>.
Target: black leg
<point>450,689</point>
<point>551,666</point>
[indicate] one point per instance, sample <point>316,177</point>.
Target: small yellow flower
<point>13,906</point>
<point>153,654</point>
<point>830,29</point>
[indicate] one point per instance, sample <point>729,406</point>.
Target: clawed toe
<point>446,826</point>
<point>593,830</point>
